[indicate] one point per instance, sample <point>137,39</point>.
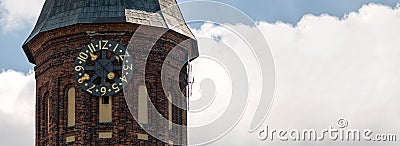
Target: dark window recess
<point>106,100</point>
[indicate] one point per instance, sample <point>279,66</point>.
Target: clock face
<point>99,65</point>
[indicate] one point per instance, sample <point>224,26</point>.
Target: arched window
<point>71,107</point>
<point>48,113</point>
<point>170,109</point>
<point>45,114</point>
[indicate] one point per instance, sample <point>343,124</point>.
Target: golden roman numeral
<point>91,48</point>
<point>123,78</point>
<point>90,89</point>
<point>126,67</point>
<point>83,56</point>
<point>116,46</point>
<point>104,47</point>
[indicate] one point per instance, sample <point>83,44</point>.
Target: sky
<point>17,22</point>
<point>333,59</point>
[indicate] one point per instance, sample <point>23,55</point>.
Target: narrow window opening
<point>48,114</point>
<point>71,107</point>
<point>105,109</point>
<point>142,107</point>
<point>170,110</point>
<point>106,100</point>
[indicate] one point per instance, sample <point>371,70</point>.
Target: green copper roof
<point>60,13</point>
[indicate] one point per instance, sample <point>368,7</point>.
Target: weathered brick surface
<point>54,54</point>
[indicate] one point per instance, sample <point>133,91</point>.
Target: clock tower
<point>98,70</point>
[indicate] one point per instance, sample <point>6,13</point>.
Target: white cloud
<point>326,68</point>
<point>17,108</point>
<point>19,14</point>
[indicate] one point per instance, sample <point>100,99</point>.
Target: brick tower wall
<point>54,54</point>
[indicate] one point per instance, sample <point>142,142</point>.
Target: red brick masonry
<point>54,53</point>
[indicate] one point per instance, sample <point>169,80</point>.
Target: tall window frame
<point>71,108</point>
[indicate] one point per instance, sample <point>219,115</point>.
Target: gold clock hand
<point>93,56</point>
<point>85,77</point>
<point>118,59</point>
